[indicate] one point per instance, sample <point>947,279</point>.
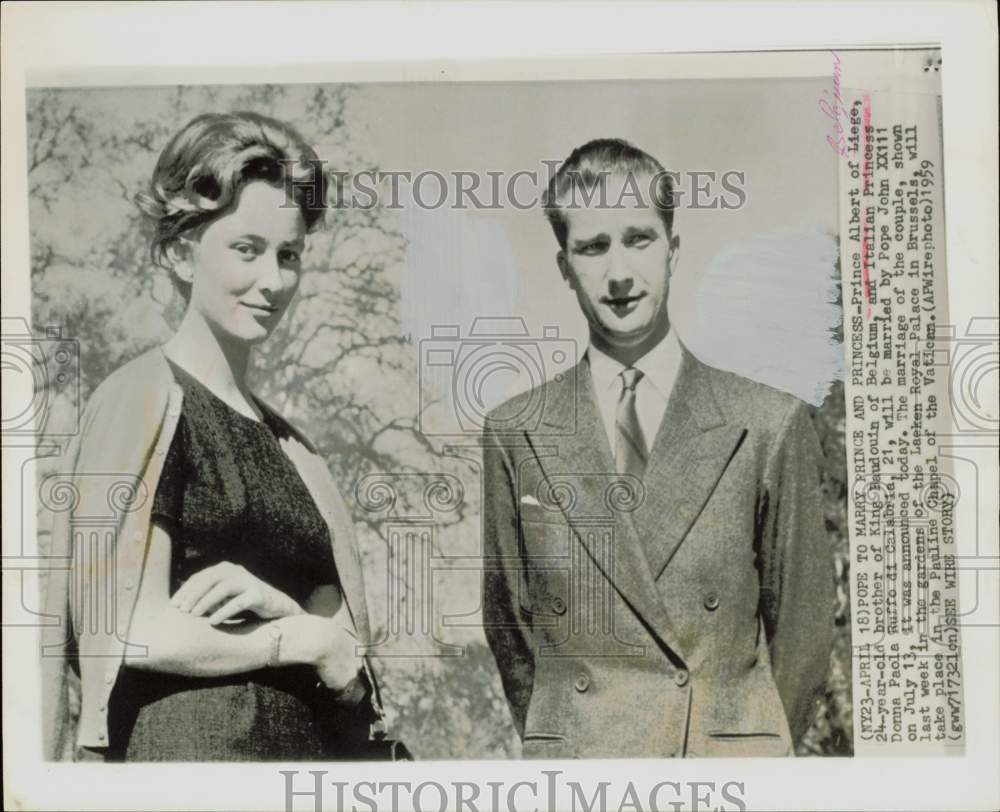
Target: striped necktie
<point>630,447</point>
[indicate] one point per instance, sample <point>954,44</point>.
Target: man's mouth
<point>622,303</point>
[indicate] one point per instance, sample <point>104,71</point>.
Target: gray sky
<point>500,262</point>
<point>770,129</point>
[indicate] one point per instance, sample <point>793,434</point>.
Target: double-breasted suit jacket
<point>688,612</point>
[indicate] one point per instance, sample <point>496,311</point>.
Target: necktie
<point>630,447</point>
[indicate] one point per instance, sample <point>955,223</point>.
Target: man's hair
<point>592,164</point>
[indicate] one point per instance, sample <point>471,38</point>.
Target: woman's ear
<point>179,257</point>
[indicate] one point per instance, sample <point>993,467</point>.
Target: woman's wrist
<point>304,638</point>
<point>275,633</point>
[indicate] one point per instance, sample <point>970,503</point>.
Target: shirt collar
<point>660,366</point>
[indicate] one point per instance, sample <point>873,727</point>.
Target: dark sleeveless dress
<point>229,493</point>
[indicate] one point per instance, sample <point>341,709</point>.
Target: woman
<point>222,621</point>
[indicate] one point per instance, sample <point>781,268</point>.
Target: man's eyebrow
<point>580,243</point>
<point>632,231</point>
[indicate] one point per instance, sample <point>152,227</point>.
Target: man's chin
<point>626,339</point>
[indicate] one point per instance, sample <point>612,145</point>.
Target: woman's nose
<point>271,277</point>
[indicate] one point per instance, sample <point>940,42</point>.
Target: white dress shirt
<point>659,368</point>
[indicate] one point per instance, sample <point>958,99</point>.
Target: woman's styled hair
<point>202,169</point>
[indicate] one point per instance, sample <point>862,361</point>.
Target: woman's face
<point>244,268</point>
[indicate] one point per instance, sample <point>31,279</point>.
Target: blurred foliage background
<point>339,368</point>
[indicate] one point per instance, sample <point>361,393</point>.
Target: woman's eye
<point>290,257</point>
<point>245,249</point>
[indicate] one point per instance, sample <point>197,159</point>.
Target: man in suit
<point>657,577</point>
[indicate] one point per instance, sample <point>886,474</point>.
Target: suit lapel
<point>692,448</point>
<point>572,449</point>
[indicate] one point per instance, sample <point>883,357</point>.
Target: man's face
<point>617,260</point>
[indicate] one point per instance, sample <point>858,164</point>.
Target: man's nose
<point>618,272</point>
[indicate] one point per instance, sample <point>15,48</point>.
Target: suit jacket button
<point>559,606</point>
<point>711,601</point>
<point>681,678</point>
<point>582,683</point>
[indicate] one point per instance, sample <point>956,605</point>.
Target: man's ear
<point>675,246</point>
<point>565,269</point>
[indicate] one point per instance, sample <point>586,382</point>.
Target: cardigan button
<point>582,683</point>
<point>711,601</point>
<point>681,678</point>
<point>559,606</point>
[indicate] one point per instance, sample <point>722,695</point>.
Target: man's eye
<point>593,248</point>
<point>639,241</point>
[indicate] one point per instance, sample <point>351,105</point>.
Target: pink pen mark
<point>866,176</point>
<point>832,106</point>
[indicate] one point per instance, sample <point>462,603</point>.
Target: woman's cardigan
<point>96,509</point>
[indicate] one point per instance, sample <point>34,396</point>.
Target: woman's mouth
<point>264,309</point>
